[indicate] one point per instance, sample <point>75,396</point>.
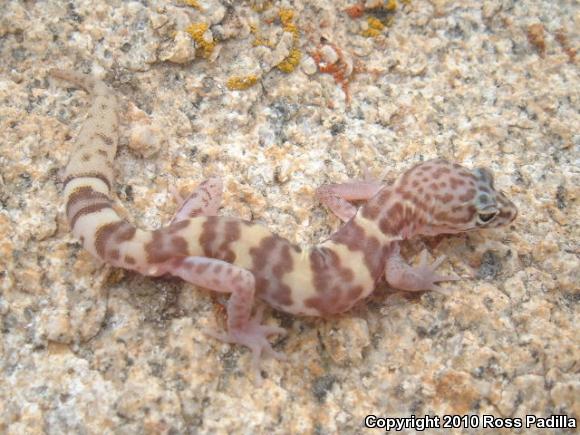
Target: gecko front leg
<point>423,277</point>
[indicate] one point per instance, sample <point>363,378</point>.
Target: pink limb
<point>205,200</point>
<point>419,278</point>
<point>224,277</point>
<point>336,196</point>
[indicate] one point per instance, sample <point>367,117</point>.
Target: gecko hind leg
<point>422,277</point>
<point>337,196</point>
<point>205,200</point>
<point>220,276</point>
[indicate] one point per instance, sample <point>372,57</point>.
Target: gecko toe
<point>438,262</point>
<point>440,278</point>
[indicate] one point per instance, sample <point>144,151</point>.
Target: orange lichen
<point>240,83</point>
<point>220,310</point>
<point>355,11</point>
<point>197,32</point>
<point>375,25</point>
<point>340,70</point>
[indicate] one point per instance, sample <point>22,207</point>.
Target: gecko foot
<point>416,278</point>
<point>426,274</point>
<point>254,336</point>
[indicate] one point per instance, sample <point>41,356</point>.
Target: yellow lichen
<point>287,19</point>
<point>197,32</point>
<point>192,3</point>
<point>261,6</point>
<point>290,63</point>
<point>240,83</point>
<point>286,16</point>
<point>375,28</point>
<point>371,33</point>
<point>258,40</point>
<point>292,28</point>
<point>391,5</point>
<point>375,23</point>
<point>262,42</point>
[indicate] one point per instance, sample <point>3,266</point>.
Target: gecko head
<point>455,199</point>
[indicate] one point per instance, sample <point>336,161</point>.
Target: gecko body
<point>246,260</point>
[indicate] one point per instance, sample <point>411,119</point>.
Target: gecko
<point>245,260</point>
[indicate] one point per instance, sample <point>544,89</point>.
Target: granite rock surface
<point>279,97</point>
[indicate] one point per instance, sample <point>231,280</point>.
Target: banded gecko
<point>246,260</point>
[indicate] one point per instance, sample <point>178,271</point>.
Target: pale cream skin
<point>246,260</point>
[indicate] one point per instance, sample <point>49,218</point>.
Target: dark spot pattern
<point>468,196</point>
<point>456,182</point>
<point>444,198</point>
<point>333,283</point>
<point>108,237</point>
<point>130,260</point>
<point>104,235</point>
<point>373,208</point>
<point>178,226</point>
<point>399,217</point>
<point>83,201</point>
<point>218,236</point>
<point>98,175</point>
<point>355,238</point>
<point>166,244</point>
<point>271,260</point>
<point>201,268</point>
<point>443,170</point>
<point>458,215</point>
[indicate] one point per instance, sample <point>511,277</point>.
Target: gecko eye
<point>485,217</point>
